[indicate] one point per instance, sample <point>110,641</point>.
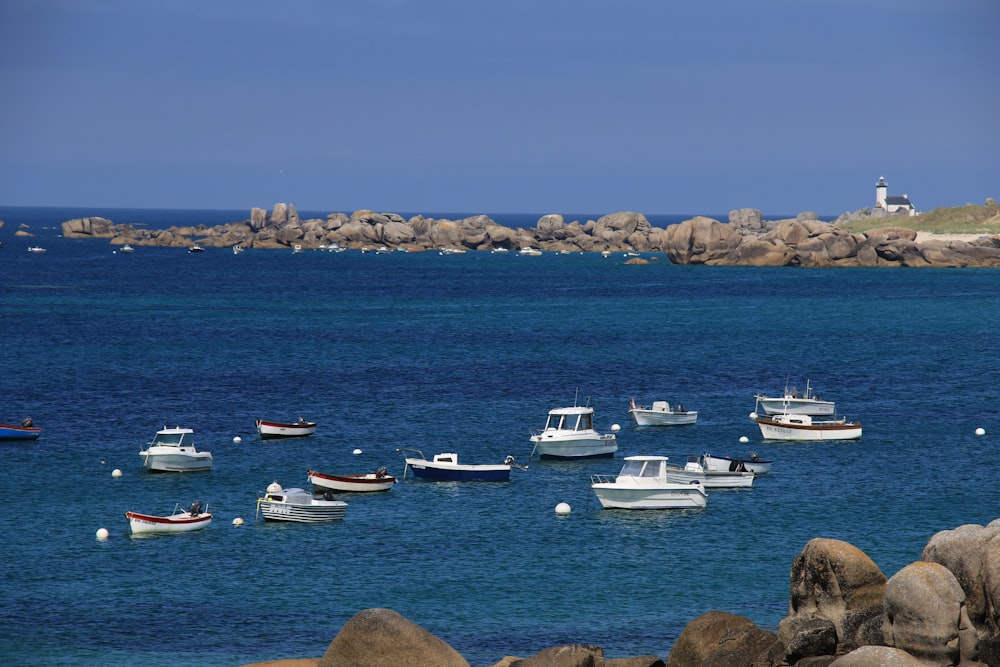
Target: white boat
<point>804,427</point>
<point>196,248</point>
<point>36,248</point>
<point>642,484</point>
<point>324,483</point>
<point>173,450</point>
<point>753,464</point>
<point>237,249</point>
<point>298,505</point>
<point>791,402</point>
<point>569,434</point>
<point>696,471</point>
<point>126,248</point>
<point>446,468</point>
<point>661,413</point>
<point>273,430</point>
<point>530,252</point>
<point>194,518</point>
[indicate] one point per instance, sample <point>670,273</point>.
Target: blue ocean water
<point>460,353</point>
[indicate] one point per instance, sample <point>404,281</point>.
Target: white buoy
<point>102,534</point>
<point>744,439</point>
<point>237,439</point>
<point>116,473</point>
<point>358,451</point>
<point>237,521</point>
<point>616,427</point>
<point>563,508</point>
<point>980,431</point>
<point>753,416</point>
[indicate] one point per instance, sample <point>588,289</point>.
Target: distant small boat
<point>324,483</point>
<point>196,248</point>
<point>126,248</point>
<point>36,248</point>
<point>237,249</point>
<point>569,434</point>
<point>298,505</point>
<point>530,252</point>
<point>178,522</point>
<point>791,402</point>
<point>446,468</point>
<point>804,427</point>
<point>753,464</point>
<point>25,431</point>
<point>274,430</point>
<point>661,413</point>
<point>173,450</point>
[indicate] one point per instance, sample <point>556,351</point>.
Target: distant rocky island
<point>746,239</point>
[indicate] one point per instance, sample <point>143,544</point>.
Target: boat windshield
<point>641,468</point>
<point>173,439</point>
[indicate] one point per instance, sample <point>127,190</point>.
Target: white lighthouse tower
<point>881,189</point>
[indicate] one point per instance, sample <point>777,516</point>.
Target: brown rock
<point>383,638</point>
<point>720,637</point>
<point>571,655</point>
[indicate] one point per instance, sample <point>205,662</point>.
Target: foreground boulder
<point>719,638</point>
<point>383,638</point>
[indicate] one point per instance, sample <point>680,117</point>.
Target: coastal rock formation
<point>943,610</point>
<point>746,240</point>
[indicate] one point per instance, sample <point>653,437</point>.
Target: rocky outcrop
<point>383,638</point>
<point>746,240</point>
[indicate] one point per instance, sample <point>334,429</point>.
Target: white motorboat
<point>569,434</point>
<point>126,249</point>
<point>173,450</point>
<point>274,430</point>
<point>36,248</point>
<point>324,483</point>
<point>643,484</point>
<point>791,402</point>
<point>661,413</point>
<point>695,470</point>
<point>298,505</point>
<point>181,521</point>
<point>530,252</point>
<point>753,464</point>
<point>804,427</point>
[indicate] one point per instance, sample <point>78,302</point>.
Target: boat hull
<point>623,495</point>
<point>440,472</point>
<point>174,461</point>
<point>646,417</point>
<point>710,479</point>
<point>11,432</point>
<point>757,467</point>
<point>276,430</point>
<point>554,446</point>
<point>368,483</point>
<point>315,512</point>
<point>774,430</point>
<point>146,524</point>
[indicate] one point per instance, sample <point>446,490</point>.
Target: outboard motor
<point>27,422</point>
<point>381,472</point>
<point>195,509</point>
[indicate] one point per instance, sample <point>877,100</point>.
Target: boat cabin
<point>174,437</point>
<point>450,457</point>
<point>570,421</point>
<point>643,467</point>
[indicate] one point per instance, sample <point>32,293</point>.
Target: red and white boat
<point>25,431</point>
<point>804,427</point>
<point>273,430</point>
<point>322,483</point>
<point>178,522</point>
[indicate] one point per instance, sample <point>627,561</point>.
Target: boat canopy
<point>174,437</point>
<point>642,466</point>
<point>570,421</point>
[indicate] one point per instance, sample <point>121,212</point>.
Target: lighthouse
<point>881,189</point>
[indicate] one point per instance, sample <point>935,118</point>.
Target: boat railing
<point>603,479</point>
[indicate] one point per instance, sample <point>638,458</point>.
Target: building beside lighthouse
<point>894,204</point>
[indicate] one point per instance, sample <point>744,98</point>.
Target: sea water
<point>461,353</point>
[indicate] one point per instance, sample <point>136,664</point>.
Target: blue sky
<point>565,106</point>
